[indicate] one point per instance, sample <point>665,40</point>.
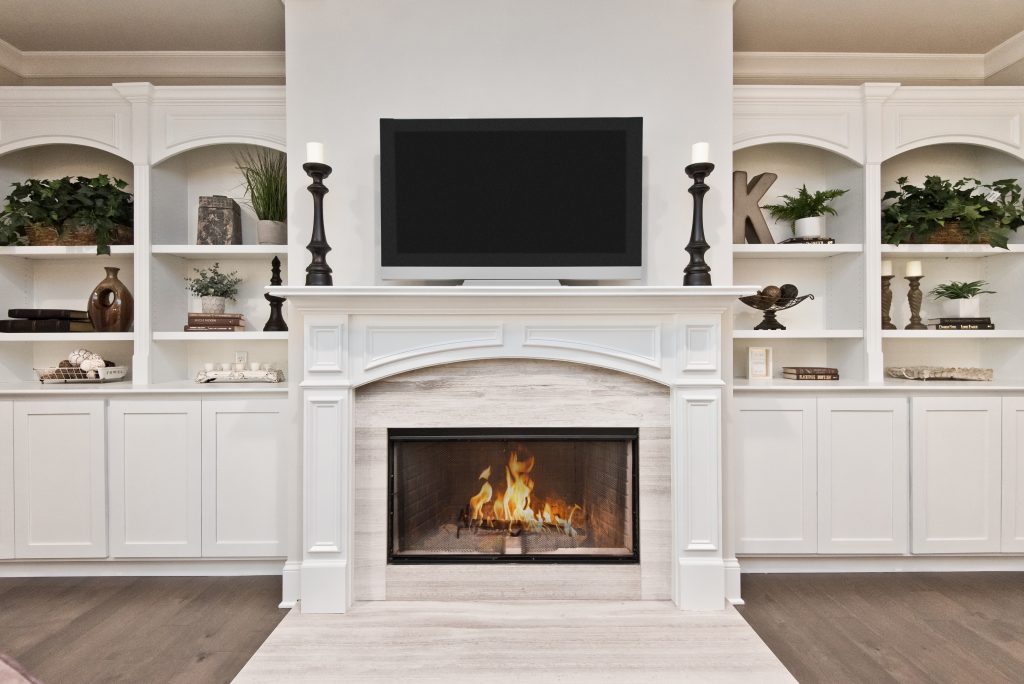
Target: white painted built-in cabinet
<point>143,478</point>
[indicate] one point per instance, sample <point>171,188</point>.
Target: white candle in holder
<point>700,153</point>
<point>314,153</point>
<point>887,268</point>
<point>913,269</point>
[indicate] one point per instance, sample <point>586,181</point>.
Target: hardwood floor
<point>899,627</point>
<point>606,642</point>
<point>137,629</point>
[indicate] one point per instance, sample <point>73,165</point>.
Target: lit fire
<point>514,508</point>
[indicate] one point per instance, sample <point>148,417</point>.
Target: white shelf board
<point>743,385</point>
<point>64,252</point>
<point>205,335</point>
<point>948,251</point>
<point>952,334</point>
<point>223,251</point>
<point>67,337</point>
<point>796,334</point>
<point>127,387</point>
<point>793,251</point>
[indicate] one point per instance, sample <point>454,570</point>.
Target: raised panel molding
<point>325,351</point>
<point>700,460</point>
<point>638,344</point>
<point>1013,475</point>
<point>327,438</point>
<point>913,129</point>
<point>701,348</point>
<point>36,126</point>
<point>6,479</point>
<point>184,131</point>
<point>389,344</point>
<point>801,123</point>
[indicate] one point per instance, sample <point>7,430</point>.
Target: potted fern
<point>264,174</point>
<point>960,299</point>
<point>213,287</point>
<point>806,212</point>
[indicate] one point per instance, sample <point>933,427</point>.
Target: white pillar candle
<point>314,153</point>
<point>913,269</point>
<point>887,268</point>
<point>700,153</point>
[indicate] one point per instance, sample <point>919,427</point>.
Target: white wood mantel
<point>352,336</point>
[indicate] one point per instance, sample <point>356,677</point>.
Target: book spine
<point>965,326</point>
<point>58,325</point>
<point>214,328</point>
<point>809,376</point>
<point>215,321</point>
<point>965,321</point>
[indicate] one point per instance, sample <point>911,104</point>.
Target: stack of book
<point>206,322</point>
<point>46,321</point>
<point>809,241</point>
<point>961,324</point>
<point>809,373</point>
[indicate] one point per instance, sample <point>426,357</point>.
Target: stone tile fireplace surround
<point>374,358</point>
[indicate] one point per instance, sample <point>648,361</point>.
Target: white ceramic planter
<point>212,305</point>
<point>961,308</point>
<point>272,232</point>
<point>813,226</point>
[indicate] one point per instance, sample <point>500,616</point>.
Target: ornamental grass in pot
<point>806,212</point>
<point>960,299</point>
<point>940,211</point>
<point>73,210</point>
<point>213,287</point>
<point>265,176</point>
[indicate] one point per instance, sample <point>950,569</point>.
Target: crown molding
<point>855,68</point>
<point>1004,55</point>
<point>142,64</point>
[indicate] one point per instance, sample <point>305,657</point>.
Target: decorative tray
<point>60,374</point>
<point>206,376</point>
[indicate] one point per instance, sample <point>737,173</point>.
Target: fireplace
<point>459,495</point>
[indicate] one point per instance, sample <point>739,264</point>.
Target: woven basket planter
<point>75,235</point>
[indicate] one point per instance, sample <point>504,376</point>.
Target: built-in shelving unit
<point>172,145</point>
<point>863,138</point>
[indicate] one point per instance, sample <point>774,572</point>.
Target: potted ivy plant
<point>73,210</point>
<point>941,211</point>
<point>960,299</point>
<point>264,174</point>
<point>806,212</point>
<point>213,287</point>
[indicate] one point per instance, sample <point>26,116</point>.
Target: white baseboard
<point>119,568</point>
<point>798,564</point>
<point>290,584</point>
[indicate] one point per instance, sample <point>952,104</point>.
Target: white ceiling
<point>116,25</point>
<point>922,26</point>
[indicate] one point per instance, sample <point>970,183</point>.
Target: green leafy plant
<point>985,212</point>
<point>101,203</point>
<point>212,283</point>
<point>804,205</point>
<point>265,175</point>
<point>959,290</point>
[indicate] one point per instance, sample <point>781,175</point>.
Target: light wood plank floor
<point>136,629</point>
<point>527,641</point>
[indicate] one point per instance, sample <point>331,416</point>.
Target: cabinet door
<point>863,476</point>
<point>155,478</point>
<point>243,478</point>
<point>956,474</point>
<point>6,479</point>
<point>776,475</point>
<point>60,495</point>
<point>1013,475</point>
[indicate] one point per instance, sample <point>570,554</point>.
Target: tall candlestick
<point>314,153</point>
<point>318,273</point>
<point>700,153</point>
<point>913,269</point>
<point>914,297</point>
<point>887,300</point>
<point>697,271</point>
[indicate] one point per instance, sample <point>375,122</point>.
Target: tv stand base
<point>511,283</point>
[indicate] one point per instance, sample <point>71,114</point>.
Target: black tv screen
<point>500,193</point>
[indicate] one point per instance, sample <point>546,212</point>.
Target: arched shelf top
<point>800,141</point>
<point>71,140</point>
<point>1016,153</point>
<point>440,359</point>
<point>273,143</point>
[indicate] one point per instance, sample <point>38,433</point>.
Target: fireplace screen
<point>482,495</point>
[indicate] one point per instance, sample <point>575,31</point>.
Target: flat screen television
<point>510,199</point>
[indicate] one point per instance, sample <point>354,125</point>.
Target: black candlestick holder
<point>318,272</point>
<point>697,271</point>
<point>276,321</point>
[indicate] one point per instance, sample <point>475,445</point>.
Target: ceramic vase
<point>961,308</point>
<point>111,305</point>
<point>212,305</point>
<point>813,226</point>
<point>272,232</point>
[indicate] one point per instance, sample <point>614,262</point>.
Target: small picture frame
<point>759,363</point>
